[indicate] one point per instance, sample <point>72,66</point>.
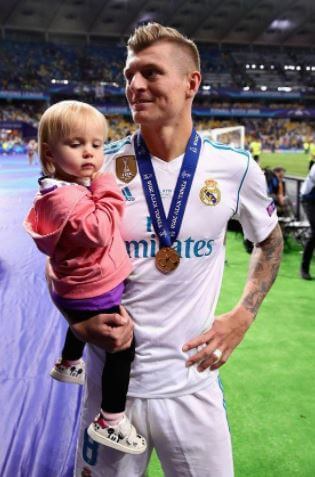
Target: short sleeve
<point>255,210</point>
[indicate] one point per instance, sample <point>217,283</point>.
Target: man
<point>308,202</point>
<point>175,398</point>
<point>255,147</point>
<point>311,150</point>
<point>276,188</point>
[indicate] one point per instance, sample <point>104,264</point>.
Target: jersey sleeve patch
<point>271,208</point>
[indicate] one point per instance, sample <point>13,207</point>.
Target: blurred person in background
<point>31,151</point>
<point>306,146</point>
<point>255,147</point>
<point>276,189</point>
<point>308,203</point>
<point>311,151</point>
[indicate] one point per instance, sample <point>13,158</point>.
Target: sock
<point>112,418</point>
<point>71,362</point>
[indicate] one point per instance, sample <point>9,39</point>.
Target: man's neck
<point>167,142</point>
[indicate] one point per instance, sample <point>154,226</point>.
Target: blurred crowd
<point>29,112</point>
<point>274,134</point>
<point>31,66</point>
<point>47,68</point>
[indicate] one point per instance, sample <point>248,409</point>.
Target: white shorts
<point>189,433</point>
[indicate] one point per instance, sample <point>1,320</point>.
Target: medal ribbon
<point>167,229</point>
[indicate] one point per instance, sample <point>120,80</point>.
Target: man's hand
<point>229,329</point>
<point>113,332</point>
<point>226,333</point>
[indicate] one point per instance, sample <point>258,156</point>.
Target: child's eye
<point>74,144</point>
<point>97,146</point>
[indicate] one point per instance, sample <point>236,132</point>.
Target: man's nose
<point>138,82</point>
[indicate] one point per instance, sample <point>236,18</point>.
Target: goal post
<point>233,136</point>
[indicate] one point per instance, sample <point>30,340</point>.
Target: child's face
<point>80,154</point>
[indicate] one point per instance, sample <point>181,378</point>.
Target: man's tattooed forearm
<point>264,266</point>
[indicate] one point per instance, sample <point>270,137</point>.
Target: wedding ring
<point>218,354</point>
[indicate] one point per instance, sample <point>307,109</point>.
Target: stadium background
<point>258,65</point>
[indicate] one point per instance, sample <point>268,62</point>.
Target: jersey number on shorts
<point>90,449</point>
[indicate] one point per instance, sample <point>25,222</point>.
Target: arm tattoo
<point>263,269</point>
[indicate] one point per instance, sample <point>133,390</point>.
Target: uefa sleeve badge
<point>126,168</point>
<point>210,193</point>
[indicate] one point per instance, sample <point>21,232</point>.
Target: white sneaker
<point>122,437</point>
<point>69,373</point>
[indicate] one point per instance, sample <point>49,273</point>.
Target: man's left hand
<point>226,333</point>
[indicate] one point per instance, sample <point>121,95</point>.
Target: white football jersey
<point>168,310</point>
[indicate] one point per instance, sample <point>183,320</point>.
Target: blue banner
<point>298,113</point>
<point>28,95</point>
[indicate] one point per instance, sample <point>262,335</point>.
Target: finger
<point>203,354</point>
<point>114,319</point>
<point>221,362</point>
<point>121,347</point>
<point>122,335</point>
<point>124,314</point>
<point>198,341</point>
<point>207,363</point>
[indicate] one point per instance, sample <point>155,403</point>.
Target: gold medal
<point>126,168</point>
<point>210,193</point>
<point>167,260</point>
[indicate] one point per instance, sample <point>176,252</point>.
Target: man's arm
<point>113,332</point>
<point>229,329</point>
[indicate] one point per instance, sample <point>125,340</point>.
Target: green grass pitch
<point>295,163</point>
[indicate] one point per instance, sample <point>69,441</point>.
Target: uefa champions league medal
<point>167,228</point>
<point>167,259</point>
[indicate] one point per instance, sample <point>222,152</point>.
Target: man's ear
<point>194,80</point>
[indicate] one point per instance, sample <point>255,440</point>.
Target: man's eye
<point>128,77</point>
<point>150,73</point>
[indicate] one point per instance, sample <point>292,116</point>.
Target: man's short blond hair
<point>59,120</point>
<point>147,35</point>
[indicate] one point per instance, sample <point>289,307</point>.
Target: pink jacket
<point>78,228</point>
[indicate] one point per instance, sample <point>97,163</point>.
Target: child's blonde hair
<point>58,121</point>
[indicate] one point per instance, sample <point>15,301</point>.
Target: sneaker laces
<point>128,431</point>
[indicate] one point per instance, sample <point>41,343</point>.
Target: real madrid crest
<point>210,193</point>
<point>126,168</point>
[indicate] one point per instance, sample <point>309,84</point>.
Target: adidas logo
<point>127,194</point>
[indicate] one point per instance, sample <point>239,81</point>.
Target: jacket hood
<point>45,221</point>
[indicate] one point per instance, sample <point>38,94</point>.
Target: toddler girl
<point>75,220</point>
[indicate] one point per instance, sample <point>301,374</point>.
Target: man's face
<point>157,86</point>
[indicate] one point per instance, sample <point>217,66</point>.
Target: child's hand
<point>96,175</point>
